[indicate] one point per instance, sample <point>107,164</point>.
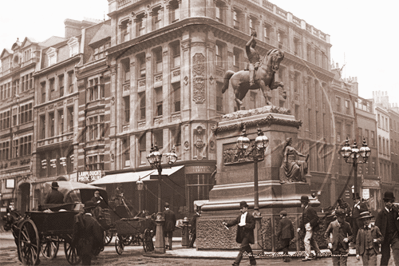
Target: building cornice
<point>58,65</point>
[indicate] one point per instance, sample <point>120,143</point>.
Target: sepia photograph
<point>199,132</point>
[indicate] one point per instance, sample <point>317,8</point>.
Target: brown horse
<point>264,78</point>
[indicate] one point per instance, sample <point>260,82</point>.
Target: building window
<point>70,81</point>
<point>176,97</point>
<point>236,58</point>
<point>25,145</point>
<point>142,105</point>
<point>175,48</point>
<point>60,122</point>
<point>96,89</point>
<point>126,69</point>
<point>52,56</point>
<point>27,55</point>
<point>73,44</point>
<point>158,138</point>
<point>126,152</point>
<point>142,65</point>
<point>156,18</point>
<point>43,90</point>
<point>237,19</point>
<point>198,186</point>
<point>25,113</point>
<point>15,147</point>
<point>52,89</point>
<point>308,52</point>
<point>101,51</point>
<point>158,60</point>
<point>266,32</point>
<point>140,26</point>
<point>367,137</point>
<point>126,104</point>
<point>5,150</point>
<point>220,11</point>
<point>15,116</point>
<point>61,85</point>
<point>52,124</point>
<point>219,97</point>
<point>219,57</point>
<point>297,47</point>
<point>347,109</point>
<point>70,119</point>
<point>158,101</point>
<point>297,81</point>
<point>174,11</point>
<point>42,133</point>
<point>124,29</point>
<point>142,149</point>
<point>95,128</point>
<point>338,103</point>
<point>95,162</point>
<point>339,130</point>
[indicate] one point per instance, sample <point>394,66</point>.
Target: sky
<point>362,32</point>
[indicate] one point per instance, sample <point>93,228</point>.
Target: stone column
<point>167,90</point>
<point>185,76</point>
<point>149,98</point>
<point>113,115</point>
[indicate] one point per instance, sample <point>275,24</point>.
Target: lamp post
<point>351,155</point>
<point>140,188</point>
<point>257,152</point>
<point>155,160</point>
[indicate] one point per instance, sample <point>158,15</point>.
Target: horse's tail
<point>227,77</point>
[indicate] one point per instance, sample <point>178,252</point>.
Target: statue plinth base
<point>235,182</point>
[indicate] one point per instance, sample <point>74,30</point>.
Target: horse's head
<point>11,218</point>
<point>274,58</point>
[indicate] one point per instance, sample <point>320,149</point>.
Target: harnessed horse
<point>264,78</point>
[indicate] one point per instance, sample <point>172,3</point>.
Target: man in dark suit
<point>387,222</point>
<point>169,226</point>
<point>357,209</point>
<point>87,234</point>
<point>309,224</point>
<point>54,197</point>
<point>193,229</point>
<point>285,234</point>
<point>341,235</point>
<point>245,233</point>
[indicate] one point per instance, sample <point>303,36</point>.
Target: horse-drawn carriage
<point>43,230</point>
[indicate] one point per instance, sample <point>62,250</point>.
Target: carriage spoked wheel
<point>50,246</point>
<point>119,245</point>
<point>29,243</point>
<point>71,253</point>
<point>107,237</point>
<point>148,245</point>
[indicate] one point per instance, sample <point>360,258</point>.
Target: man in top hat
<point>368,240</point>
<point>245,233</point>
<point>87,234</point>
<point>285,234</point>
<point>309,224</point>
<point>54,197</point>
<point>341,235</point>
<point>387,222</point>
<point>169,225</point>
<point>358,207</point>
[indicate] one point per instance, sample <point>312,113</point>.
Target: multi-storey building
<point>368,172</point>
<point>381,106</point>
<point>56,137</point>
<point>168,60</point>
<point>394,134</point>
<point>16,120</point>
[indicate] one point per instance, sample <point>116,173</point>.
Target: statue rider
<point>253,57</point>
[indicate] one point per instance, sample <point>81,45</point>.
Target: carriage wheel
<point>119,245</point>
<point>107,237</point>
<point>29,243</point>
<point>148,245</point>
<point>71,253</point>
<point>50,246</point>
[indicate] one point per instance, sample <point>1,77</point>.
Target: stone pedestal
<point>235,179</point>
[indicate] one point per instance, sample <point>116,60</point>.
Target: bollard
<point>184,234</point>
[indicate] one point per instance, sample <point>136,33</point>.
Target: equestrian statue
<point>260,74</point>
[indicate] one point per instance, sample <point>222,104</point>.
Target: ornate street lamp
<point>257,152</point>
<point>155,160</point>
<point>351,155</point>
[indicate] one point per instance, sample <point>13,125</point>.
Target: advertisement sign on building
<point>88,176</point>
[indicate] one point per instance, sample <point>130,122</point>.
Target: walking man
<point>54,197</point>
<point>309,224</point>
<point>357,209</point>
<point>368,241</point>
<point>285,234</point>
<point>87,234</point>
<point>387,222</point>
<point>169,226</point>
<point>341,235</point>
<point>245,233</point>
<point>193,223</point>
<point>253,57</point>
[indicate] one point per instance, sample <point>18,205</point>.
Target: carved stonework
<point>294,165</point>
<point>176,73</point>
<point>158,78</point>
<point>199,143</point>
<point>185,45</point>
<point>292,75</point>
<point>142,83</point>
<point>305,81</point>
<point>158,121</point>
<point>199,78</point>
<point>141,125</point>
<point>185,80</point>
<point>186,145</point>
<point>113,70</point>
<point>211,80</point>
<point>176,118</point>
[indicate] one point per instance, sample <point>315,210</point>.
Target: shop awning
<point>168,171</point>
<point>124,178</point>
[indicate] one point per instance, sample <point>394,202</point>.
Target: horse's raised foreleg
<point>265,89</point>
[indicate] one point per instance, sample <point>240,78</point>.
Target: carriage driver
<point>253,57</point>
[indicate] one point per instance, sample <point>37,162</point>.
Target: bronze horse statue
<point>264,78</point>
